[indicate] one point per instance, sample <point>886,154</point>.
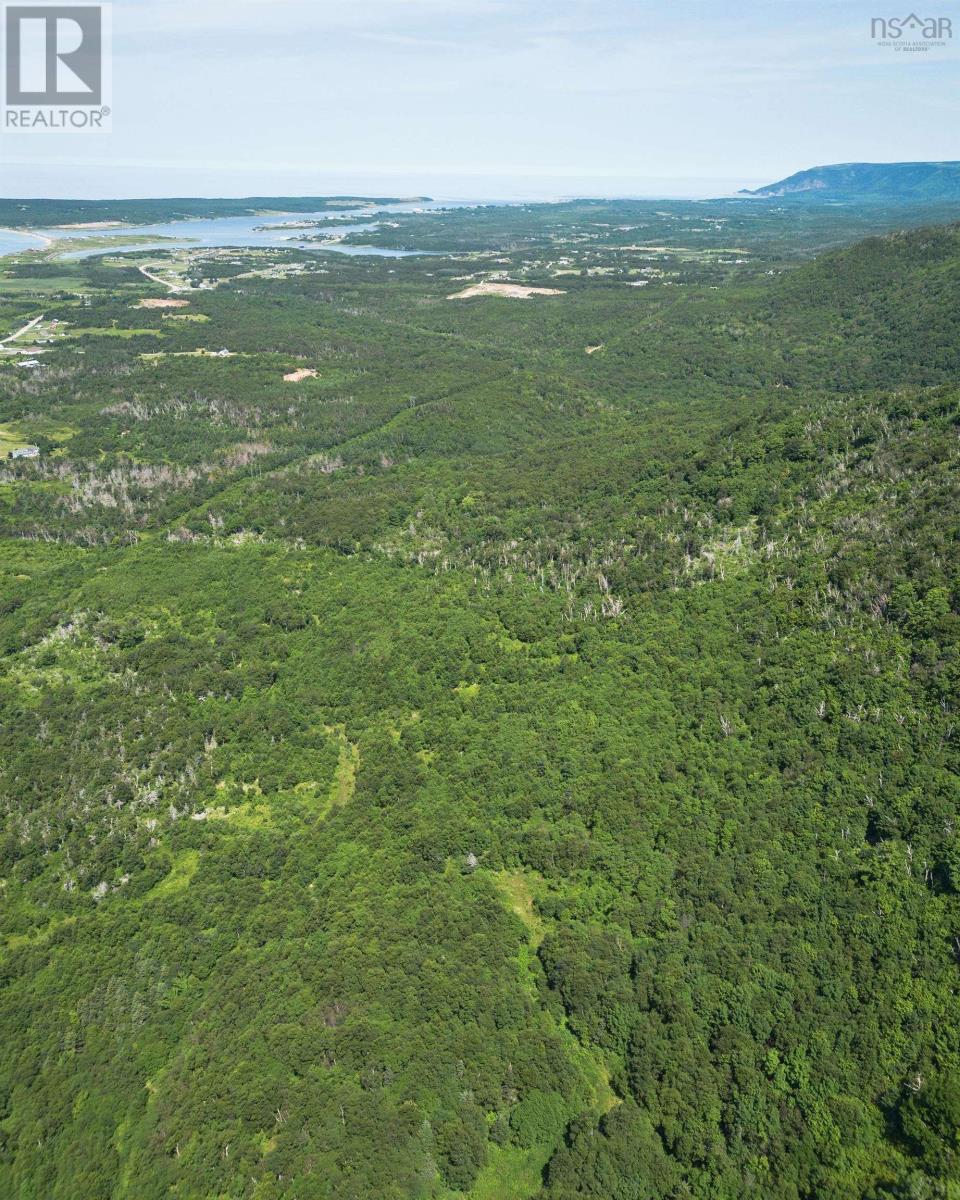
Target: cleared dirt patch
<point>163,304</point>
<point>514,291</point>
<point>594,349</point>
<point>302,373</point>
<point>93,225</point>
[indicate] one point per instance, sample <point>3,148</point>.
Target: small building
<point>26,452</point>
<point>29,362</point>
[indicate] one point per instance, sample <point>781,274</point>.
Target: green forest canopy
<point>484,767</point>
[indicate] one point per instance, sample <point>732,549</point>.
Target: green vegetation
<point>486,769</point>
<point>610,236</point>
<point>43,214</point>
<point>10,440</point>
<point>902,182</point>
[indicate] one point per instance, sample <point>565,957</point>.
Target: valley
<point>493,748</point>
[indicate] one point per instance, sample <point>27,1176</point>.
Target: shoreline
<point>45,241</point>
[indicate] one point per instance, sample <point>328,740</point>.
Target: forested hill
<point>518,760</point>
<point>912,182</point>
<point>39,214</point>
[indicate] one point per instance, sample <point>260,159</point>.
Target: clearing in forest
<point>517,890</point>
<point>159,303</point>
<point>345,776</point>
<point>11,440</point>
<point>514,291</point>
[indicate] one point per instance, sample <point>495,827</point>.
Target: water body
<point>12,241</point>
<point>224,232</point>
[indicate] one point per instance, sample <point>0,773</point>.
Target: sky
<point>494,99</point>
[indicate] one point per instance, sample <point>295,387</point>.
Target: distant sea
<point>105,183</point>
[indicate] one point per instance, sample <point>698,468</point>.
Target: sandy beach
<point>41,237</point>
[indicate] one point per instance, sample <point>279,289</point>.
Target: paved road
<point>172,287</point>
<point>29,325</point>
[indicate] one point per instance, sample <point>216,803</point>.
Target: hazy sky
<point>493,98</point>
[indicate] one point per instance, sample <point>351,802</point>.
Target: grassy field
<point>11,439</point>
